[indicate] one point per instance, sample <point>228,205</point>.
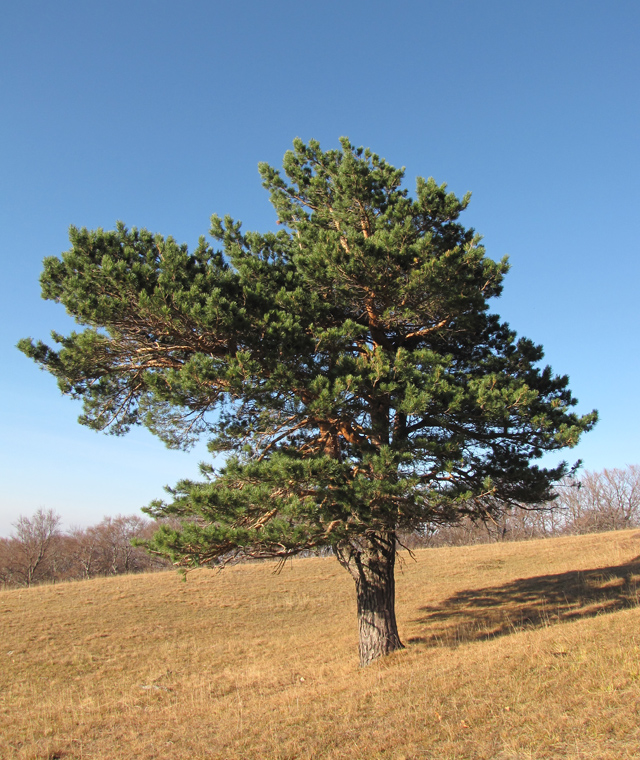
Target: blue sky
<point>157,113</point>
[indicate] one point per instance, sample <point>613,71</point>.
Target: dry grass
<point>514,651</point>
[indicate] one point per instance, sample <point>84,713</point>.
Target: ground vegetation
<point>513,650</point>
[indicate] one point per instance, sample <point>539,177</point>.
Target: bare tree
<point>620,490</point>
<point>7,562</point>
<point>607,500</point>
<point>34,546</point>
<point>83,547</point>
<point>107,548</point>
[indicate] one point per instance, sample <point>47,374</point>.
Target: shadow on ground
<point>527,603</point>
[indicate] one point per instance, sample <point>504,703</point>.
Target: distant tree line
<point>593,503</point>
<point>40,552</point>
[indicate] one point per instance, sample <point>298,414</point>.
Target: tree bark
<point>370,560</point>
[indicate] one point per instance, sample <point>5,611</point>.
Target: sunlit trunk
<point>370,560</point>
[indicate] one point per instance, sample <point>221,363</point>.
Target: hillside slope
<point>526,650</point>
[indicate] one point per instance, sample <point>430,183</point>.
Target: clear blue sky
<point>157,113</point>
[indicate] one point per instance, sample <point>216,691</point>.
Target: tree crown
<point>347,363</point>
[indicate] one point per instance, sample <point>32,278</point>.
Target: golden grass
<point>514,651</point>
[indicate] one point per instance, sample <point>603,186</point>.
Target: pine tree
<point>347,365</point>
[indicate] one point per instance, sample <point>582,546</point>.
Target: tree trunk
<point>370,560</point>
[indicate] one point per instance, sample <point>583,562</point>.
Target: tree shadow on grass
<point>527,603</point>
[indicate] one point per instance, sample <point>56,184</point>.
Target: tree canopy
<point>347,365</point>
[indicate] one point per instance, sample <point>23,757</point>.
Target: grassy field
<point>528,650</point>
